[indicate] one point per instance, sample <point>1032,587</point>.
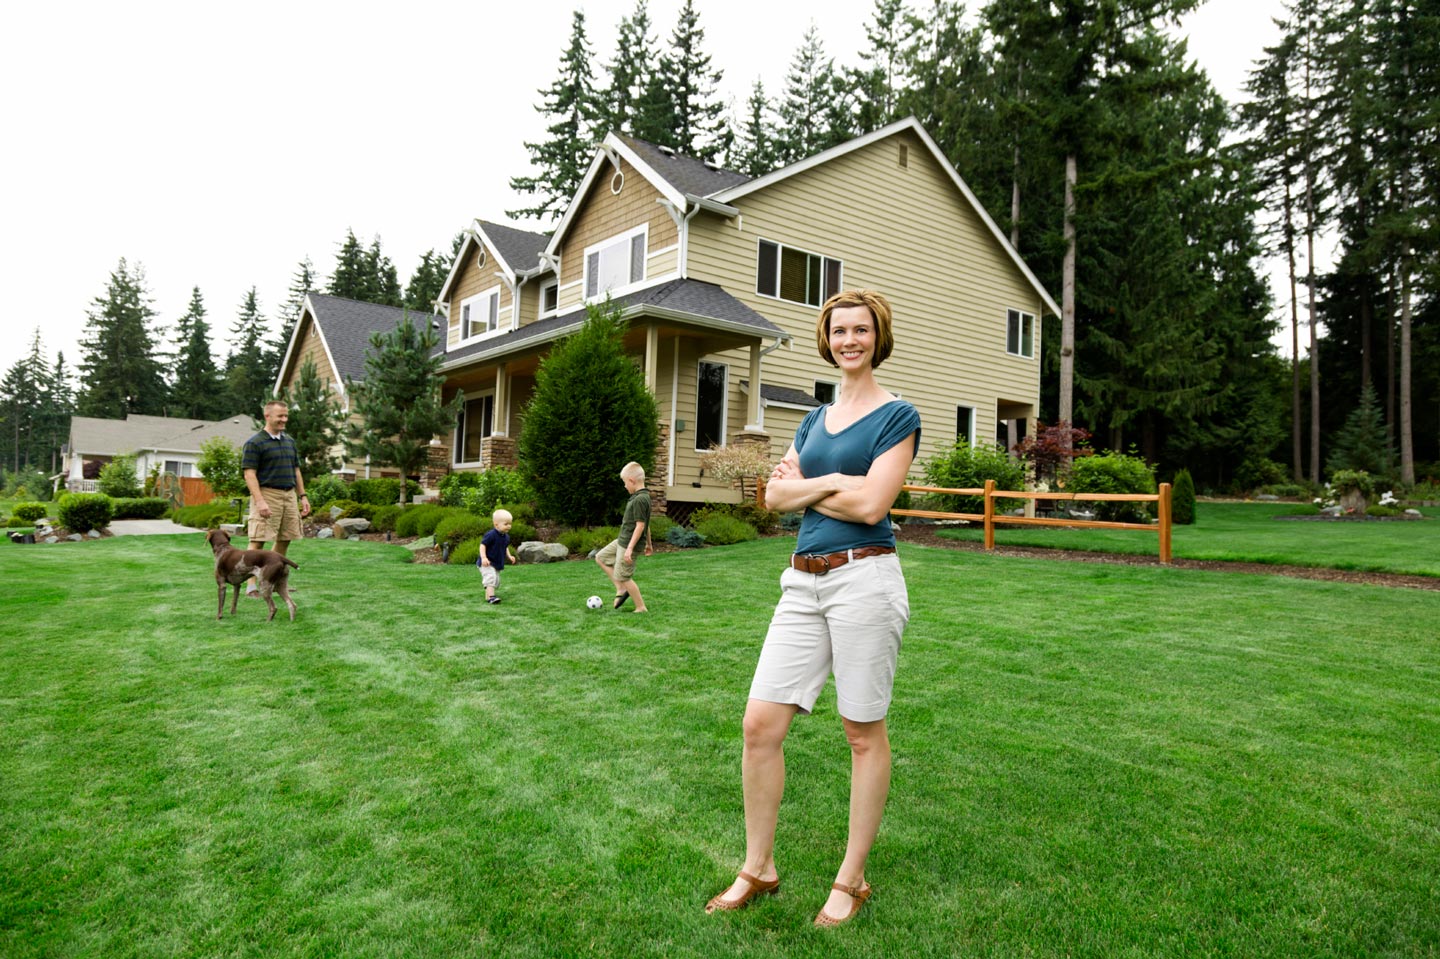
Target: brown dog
<point>235,566</point>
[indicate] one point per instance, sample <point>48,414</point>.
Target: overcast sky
<point>218,145</point>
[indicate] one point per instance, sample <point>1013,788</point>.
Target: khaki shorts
<point>848,621</point>
<point>614,555</point>
<point>284,521</point>
<point>489,577</point>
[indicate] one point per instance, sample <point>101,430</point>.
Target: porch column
<point>652,358</point>
<point>501,412</point>
<point>752,406</point>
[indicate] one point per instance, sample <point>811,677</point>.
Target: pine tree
<point>591,413</point>
<point>756,149</point>
<point>398,403</point>
<point>121,373</point>
<point>561,160</point>
<point>301,284</point>
<point>808,108</point>
<point>878,83</point>
<point>59,407</point>
<point>700,129</point>
<point>196,388</point>
<point>22,403</point>
<point>352,277</point>
<point>248,380</point>
<point>315,421</point>
<point>427,281</point>
<point>1361,444</point>
<point>384,281</point>
<point>630,72</point>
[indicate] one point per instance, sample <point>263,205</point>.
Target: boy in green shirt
<point>618,558</point>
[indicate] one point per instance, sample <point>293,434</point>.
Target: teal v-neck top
<point>850,451</point>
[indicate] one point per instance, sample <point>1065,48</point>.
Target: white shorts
<point>848,621</point>
<point>489,577</point>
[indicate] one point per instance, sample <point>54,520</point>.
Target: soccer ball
<point>594,602</point>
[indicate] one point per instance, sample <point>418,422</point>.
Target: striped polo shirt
<point>272,458</point>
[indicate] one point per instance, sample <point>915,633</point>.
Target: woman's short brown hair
<point>879,309</point>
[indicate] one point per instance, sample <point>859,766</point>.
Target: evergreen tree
<point>1361,444</point>
<point>121,373</point>
<point>700,129</point>
<point>384,281</point>
<point>591,413</point>
<point>196,387</point>
<point>315,421</point>
<point>561,160</point>
<point>630,72</point>
<point>23,398</point>
<point>656,118</point>
<point>757,153</point>
<point>427,281</point>
<point>352,277</point>
<point>248,379</point>
<point>879,82</point>
<point>53,423</point>
<point>813,102</point>
<point>1182,499</point>
<point>398,403</point>
<point>301,284</point>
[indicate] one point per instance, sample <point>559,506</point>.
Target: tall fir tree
<point>351,277</point>
<point>121,373</point>
<point>23,399</point>
<point>427,281</point>
<point>756,147</point>
<point>629,73</point>
<point>302,283</point>
<point>248,379</point>
<point>316,419</point>
<point>811,105</point>
<point>385,281</point>
<point>196,386</point>
<point>59,407</point>
<point>700,127</point>
<point>880,80</point>
<point>560,161</point>
<point>398,404</point>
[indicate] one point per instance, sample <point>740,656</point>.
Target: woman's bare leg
<point>869,788</point>
<point>762,772</point>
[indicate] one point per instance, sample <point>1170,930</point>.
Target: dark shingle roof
<point>784,394</point>
<point>521,249</point>
<point>706,304</point>
<point>347,325</point>
<point>686,174</point>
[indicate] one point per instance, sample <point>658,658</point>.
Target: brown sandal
<point>758,887</point>
<point>858,894</point>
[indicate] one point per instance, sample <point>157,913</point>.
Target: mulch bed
<point>926,536</point>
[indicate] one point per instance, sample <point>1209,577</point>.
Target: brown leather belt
<point>821,563</point>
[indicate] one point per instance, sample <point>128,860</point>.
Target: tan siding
<point>604,215</point>
<point>472,279</point>
<point>912,235</point>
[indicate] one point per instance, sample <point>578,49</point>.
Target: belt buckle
<point>810,559</point>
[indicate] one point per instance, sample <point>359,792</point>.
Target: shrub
<point>83,512</point>
<point>482,492</point>
<point>573,540</point>
<point>790,522</point>
<point>118,479</point>
<point>684,538</point>
<point>599,537</point>
<point>30,512</point>
<point>1378,510</point>
<point>1287,490</point>
<point>206,515</point>
<point>350,509</point>
<point>1302,509</point>
<point>1257,471</point>
<point>723,530</point>
<point>1182,500</point>
<point>322,490</point>
<point>1353,481</point>
<point>427,522</point>
<point>963,466</point>
<point>460,526</point>
<point>384,519</point>
<point>219,463</point>
<point>144,507</point>
<point>453,487</point>
<point>1113,473</point>
<point>660,526</point>
<point>25,484</point>
<point>522,533</point>
<point>382,491</point>
<point>521,512</point>
<point>16,522</point>
<point>407,524</point>
<point>466,553</point>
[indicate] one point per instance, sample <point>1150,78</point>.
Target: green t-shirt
<point>636,511</point>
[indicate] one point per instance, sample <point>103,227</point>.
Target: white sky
<point>219,145</point>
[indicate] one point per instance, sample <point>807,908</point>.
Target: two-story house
<point>721,277</point>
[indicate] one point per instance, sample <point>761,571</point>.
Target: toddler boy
<point>495,552</point>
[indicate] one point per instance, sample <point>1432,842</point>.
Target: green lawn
<point>1090,760</point>
<point>1249,532</point>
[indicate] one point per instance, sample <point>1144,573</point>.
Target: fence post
<point>989,514</point>
<point>1165,523</point>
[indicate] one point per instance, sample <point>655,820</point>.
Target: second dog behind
<point>234,566</point>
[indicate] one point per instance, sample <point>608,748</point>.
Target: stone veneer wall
<point>437,465</point>
<point>500,451</point>
<point>655,479</point>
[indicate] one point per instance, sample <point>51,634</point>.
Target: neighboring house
<point>721,277</point>
<point>170,444</point>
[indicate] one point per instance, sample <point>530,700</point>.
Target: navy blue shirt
<point>273,459</point>
<point>850,451</point>
<point>494,544</point>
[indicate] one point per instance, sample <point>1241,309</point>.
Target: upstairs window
<point>824,392</point>
<point>480,314</point>
<point>549,298</point>
<point>1020,333</point>
<point>790,274</point>
<point>615,263</point>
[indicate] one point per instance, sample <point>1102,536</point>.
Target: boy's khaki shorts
<point>284,520</point>
<point>614,555</point>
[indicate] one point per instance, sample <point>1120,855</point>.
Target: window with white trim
<point>179,468</point>
<point>824,392</point>
<point>616,263</point>
<point>549,298</point>
<point>1020,333</point>
<point>965,424</point>
<point>710,392</point>
<point>476,422</point>
<point>480,314</point>
<point>789,274</point>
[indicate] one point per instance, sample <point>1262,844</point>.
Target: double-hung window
<point>616,263</point>
<point>795,275</point>
<point>710,406</point>
<point>475,424</point>
<point>549,298</point>
<point>1020,333</point>
<point>480,314</point>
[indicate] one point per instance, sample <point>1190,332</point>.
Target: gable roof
<point>729,195</point>
<point>344,327</point>
<point>518,250</point>
<point>693,302</point>
<point>137,433</point>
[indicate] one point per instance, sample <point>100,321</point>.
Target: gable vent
<point>904,156</point>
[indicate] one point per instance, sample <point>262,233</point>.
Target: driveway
<point>148,527</point>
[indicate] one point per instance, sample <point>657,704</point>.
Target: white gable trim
<point>338,383</point>
<point>475,236</point>
<point>913,125</point>
<point>612,146</point>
